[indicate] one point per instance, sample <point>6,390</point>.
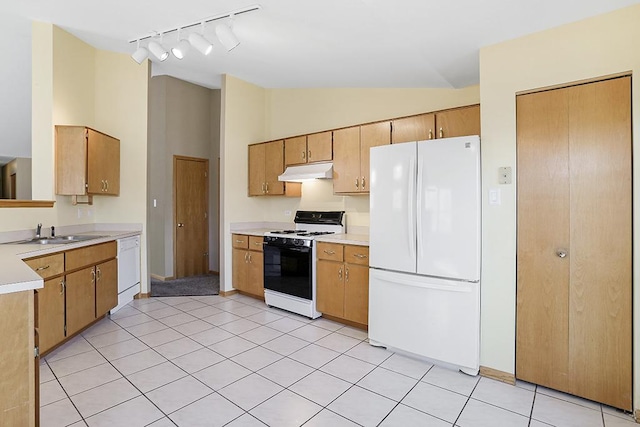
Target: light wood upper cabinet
<point>351,155</point>
<point>320,147</point>
<point>316,147</point>
<point>458,122</point>
<point>414,128</point>
<point>346,160</point>
<point>87,162</point>
<point>266,163</point>
<point>295,150</point>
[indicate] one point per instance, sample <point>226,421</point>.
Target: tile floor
<point>214,361</point>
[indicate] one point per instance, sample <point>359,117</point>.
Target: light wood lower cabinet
<point>18,381</point>
<point>248,265</point>
<point>80,286</point>
<point>342,281</point>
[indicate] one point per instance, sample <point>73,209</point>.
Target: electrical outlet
<point>504,175</point>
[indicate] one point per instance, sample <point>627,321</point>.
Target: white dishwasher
<point>128,270</point>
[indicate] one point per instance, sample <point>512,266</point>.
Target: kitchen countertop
<point>253,232</point>
<point>17,276</point>
<point>346,239</point>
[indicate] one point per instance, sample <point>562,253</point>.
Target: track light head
<point>226,37</point>
<point>158,51</point>
<point>181,49</point>
<point>140,54</point>
<point>200,43</point>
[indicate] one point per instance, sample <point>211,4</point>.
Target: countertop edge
<point>23,278</point>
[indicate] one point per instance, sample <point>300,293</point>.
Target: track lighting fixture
<point>182,48</point>
<point>158,51</point>
<point>195,38</point>
<point>199,42</point>
<point>140,54</point>
<point>226,36</point>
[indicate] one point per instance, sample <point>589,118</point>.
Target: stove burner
<point>315,233</point>
<point>288,231</point>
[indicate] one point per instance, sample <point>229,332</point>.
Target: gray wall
<point>184,120</point>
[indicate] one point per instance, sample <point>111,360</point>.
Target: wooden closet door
<point>543,229</point>
<point>574,241</point>
<point>600,249</point>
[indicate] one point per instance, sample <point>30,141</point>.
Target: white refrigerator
<point>424,276</point>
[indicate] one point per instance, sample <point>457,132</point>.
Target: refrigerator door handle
<point>419,207</point>
<point>461,288</point>
<point>411,208</point>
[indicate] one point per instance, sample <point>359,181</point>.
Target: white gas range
<point>290,261</point>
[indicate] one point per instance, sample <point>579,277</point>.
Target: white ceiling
<point>291,43</point>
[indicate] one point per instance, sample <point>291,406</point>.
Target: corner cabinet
<point>87,162</point>
<point>248,264</point>
<point>266,163</point>
<point>342,276</point>
<point>351,155</point>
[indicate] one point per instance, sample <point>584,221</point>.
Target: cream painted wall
<point>599,46</point>
<point>253,114</point>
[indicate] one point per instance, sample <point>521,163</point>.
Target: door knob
<point>180,224</point>
<point>561,253</point>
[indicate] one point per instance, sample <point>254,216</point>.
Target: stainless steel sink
<point>58,240</point>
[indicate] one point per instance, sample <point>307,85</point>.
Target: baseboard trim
<point>228,293</point>
<point>346,322</point>
<point>637,415</point>
<point>216,273</point>
<point>162,278</point>
<point>495,374</point>
<point>142,296</point>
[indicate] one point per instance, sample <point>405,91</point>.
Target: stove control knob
<point>298,242</point>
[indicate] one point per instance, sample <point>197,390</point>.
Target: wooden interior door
<point>346,160</point>
<point>574,240</point>
<point>191,190</point>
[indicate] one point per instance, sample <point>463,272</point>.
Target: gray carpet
<point>187,286</point>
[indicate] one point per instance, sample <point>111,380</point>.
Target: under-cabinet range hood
<point>305,172</point>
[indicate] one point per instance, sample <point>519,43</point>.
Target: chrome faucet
<point>38,230</point>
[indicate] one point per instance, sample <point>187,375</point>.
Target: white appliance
<point>424,276</point>
<point>290,261</point>
<point>128,270</point>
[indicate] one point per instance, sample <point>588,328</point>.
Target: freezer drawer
<point>434,318</point>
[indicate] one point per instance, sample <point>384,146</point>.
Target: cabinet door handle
<point>250,261</point>
<point>357,183</point>
<point>309,154</point>
<point>346,274</point>
<point>62,287</point>
<point>106,185</point>
<point>246,254</point>
<point>304,155</point>
<point>239,241</point>
<point>340,273</point>
<point>257,243</point>
<point>42,268</point>
<point>430,133</point>
<point>98,273</point>
<point>102,185</point>
<point>441,133</point>
<point>361,256</point>
<point>93,276</point>
<point>329,252</point>
<point>362,186</point>
<point>263,188</point>
<point>266,185</point>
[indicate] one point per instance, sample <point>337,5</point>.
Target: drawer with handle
<point>240,241</point>
<point>356,254</point>
<point>47,266</point>
<point>255,243</point>
<point>330,251</point>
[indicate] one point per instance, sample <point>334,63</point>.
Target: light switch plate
<point>504,175</point>
<point>495,196</point>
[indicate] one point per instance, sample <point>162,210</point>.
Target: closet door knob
<point>561,253</point>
